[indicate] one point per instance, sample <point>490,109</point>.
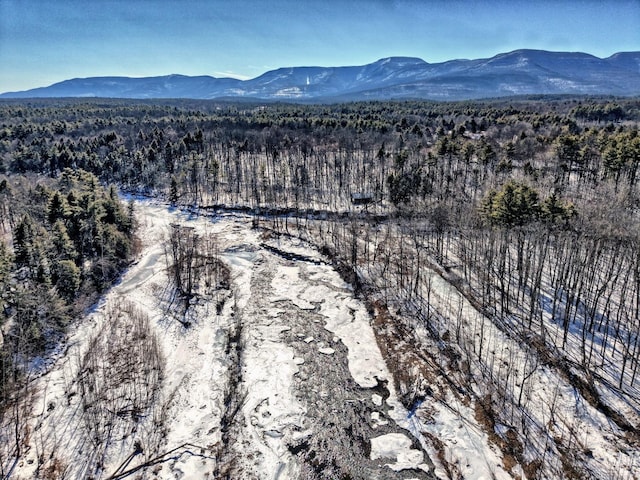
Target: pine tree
<point>515,204</point>
<point>67,279</point>
<point>58,208</point>
<point>63,247</point>
<point>173,191</point>
<point>23,241</point>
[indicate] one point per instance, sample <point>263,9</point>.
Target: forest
<point>527,206</point>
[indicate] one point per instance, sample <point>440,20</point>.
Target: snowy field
<point>276,376</point>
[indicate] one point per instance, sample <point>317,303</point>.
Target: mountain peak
<point>401,61</point>
<point>520,72</point>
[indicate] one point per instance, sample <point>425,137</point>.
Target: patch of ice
<point>287,286</point>
<point>397,446</point>
<point>344,316</point>
<point>377,421</point>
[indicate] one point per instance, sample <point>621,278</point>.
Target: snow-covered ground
<point>489,406</point>
<point>278,376</point>
<point>556,413</point>
<point>282,373</point>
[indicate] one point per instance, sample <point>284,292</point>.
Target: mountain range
<point>521,72</point>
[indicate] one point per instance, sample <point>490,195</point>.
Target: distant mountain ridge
<point>521,72</point>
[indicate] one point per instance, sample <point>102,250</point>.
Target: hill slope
<point>521,72</point>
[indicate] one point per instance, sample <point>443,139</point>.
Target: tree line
<point>63,241</point>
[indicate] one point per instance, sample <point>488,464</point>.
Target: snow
<point>183,427</point>
<point>296,315</point>
<point>327,350</point>
<point>344,316</point>
<point>377,420</point>
<point>397,446</point>
<point>454,425</point>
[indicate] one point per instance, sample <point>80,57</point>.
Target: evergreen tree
<point>58,208</point>
<point>514,204</point>
<point>67,279</point>
<point>554,211</point>
<point>23,241</point>
<point>63,247</point>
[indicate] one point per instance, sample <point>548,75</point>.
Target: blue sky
<point>45,41</point>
